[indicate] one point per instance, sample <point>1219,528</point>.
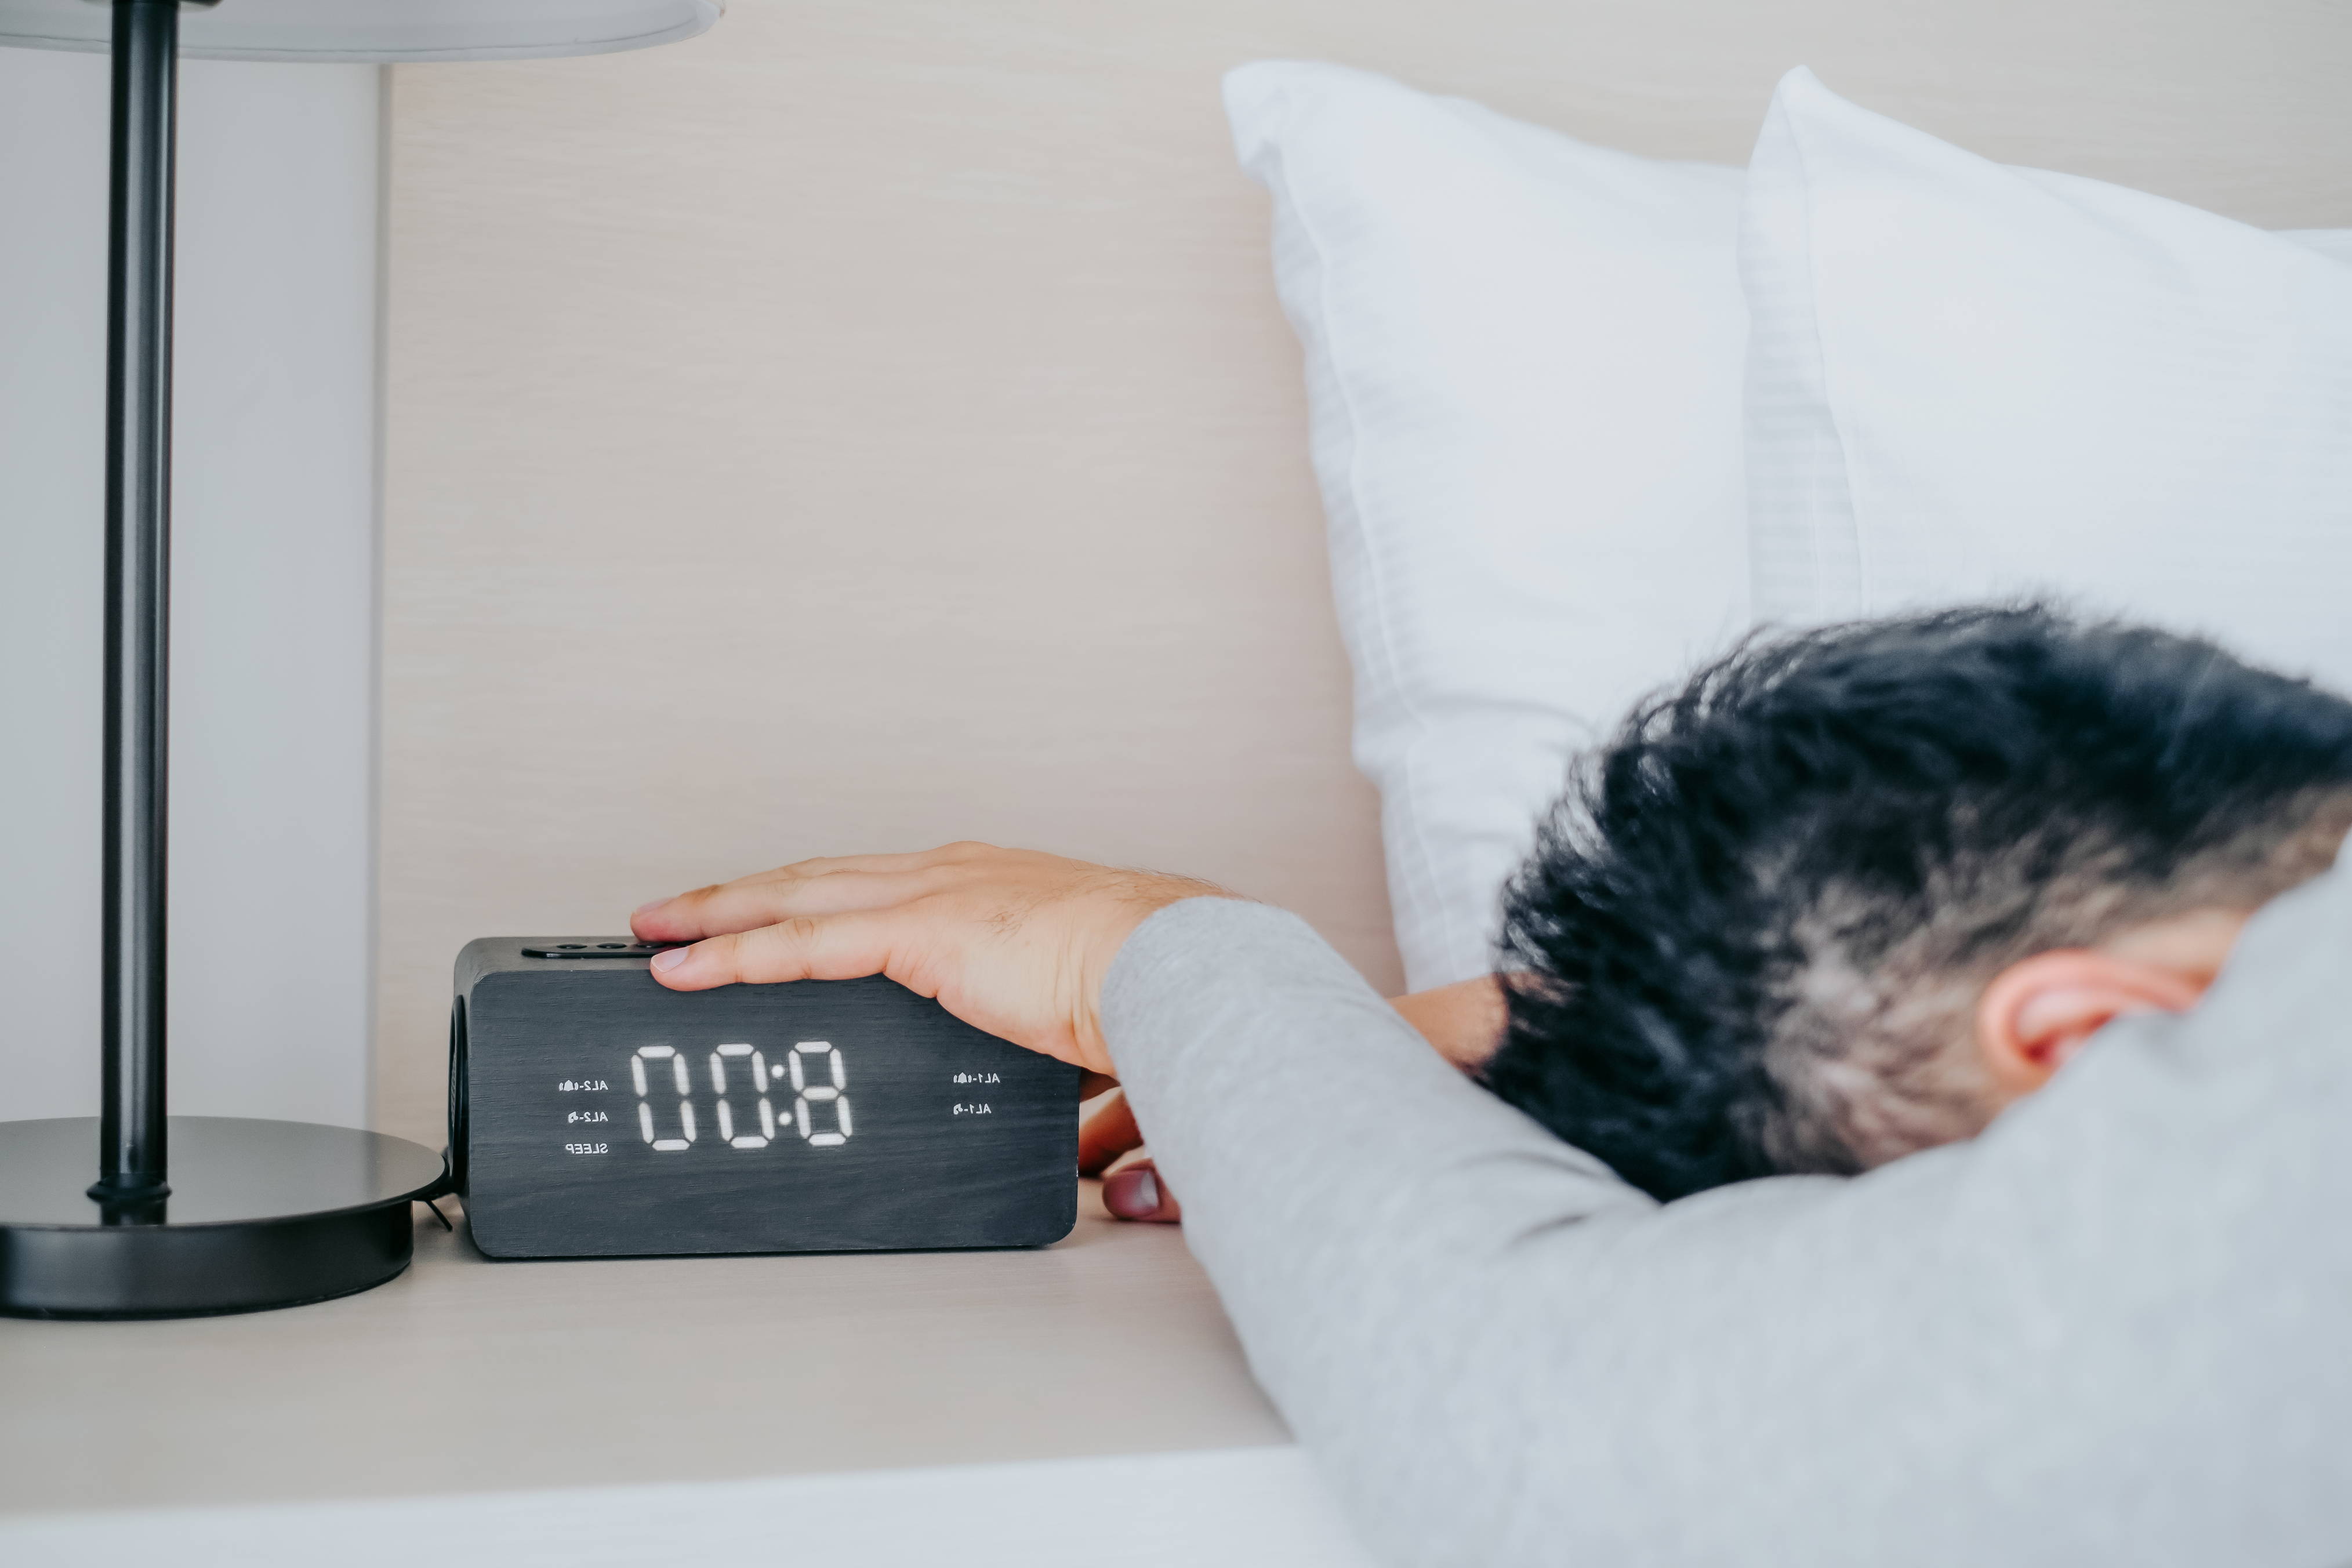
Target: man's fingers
<point>1136,1192</point>
<point>1109,1133</point>
<point>749,902</point>
<point>749,905</point>
<point>825,886</point>
<point>806,947</point>
<point>1131,1192</point>
<point>1008,941</point>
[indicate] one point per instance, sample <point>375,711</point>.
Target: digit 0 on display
<point>594,1112</point>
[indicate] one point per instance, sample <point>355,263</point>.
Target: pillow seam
<point>1422,872</point>
<point>1822,526</point>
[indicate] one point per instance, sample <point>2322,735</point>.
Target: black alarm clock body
<point>595,1113</point>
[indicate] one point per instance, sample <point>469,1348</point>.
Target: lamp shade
<point>377,30</point>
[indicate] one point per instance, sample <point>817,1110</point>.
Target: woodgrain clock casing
<point>595,1113</point>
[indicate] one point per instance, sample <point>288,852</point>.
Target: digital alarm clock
<point>595,1113</point>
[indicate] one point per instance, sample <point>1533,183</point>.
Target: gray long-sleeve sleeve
<point>2116,1328</point>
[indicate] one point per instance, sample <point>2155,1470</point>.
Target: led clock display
<point>595,1113</point>
<point>818,1075</point>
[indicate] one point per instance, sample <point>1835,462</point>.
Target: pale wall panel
<point>273,633</point>
<point>870,424</point>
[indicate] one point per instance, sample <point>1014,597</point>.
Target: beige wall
<point>870,424</point>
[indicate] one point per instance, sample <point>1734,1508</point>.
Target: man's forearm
<point>1461,1022</point>
<point>1351,1196</point>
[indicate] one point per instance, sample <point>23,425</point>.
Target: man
<point>1831,909</point>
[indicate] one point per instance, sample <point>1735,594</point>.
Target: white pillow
<point>1523,364</point>
<point>2333,243</point>
<point>1968,380</point>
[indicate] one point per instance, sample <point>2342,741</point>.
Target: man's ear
<point>2037,1012</point>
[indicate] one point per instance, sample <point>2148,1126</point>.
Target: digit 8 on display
<point>806,1092</point>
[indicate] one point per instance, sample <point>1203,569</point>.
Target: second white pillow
<point>1970,381</point>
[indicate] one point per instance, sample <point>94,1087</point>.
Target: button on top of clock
<point>595,949</point>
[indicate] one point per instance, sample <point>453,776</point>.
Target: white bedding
<point>1547,487</point>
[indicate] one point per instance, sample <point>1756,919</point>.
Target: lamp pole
<point>131,1125</point>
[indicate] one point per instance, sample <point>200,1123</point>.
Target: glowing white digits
<point>821,1093</point>
<point>811,1059</point>
<point>683,1083</point>
<point>727,1135</point>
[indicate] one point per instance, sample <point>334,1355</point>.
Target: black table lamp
<point>195,1215</point>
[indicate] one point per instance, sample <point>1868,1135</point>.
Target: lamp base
<point>258,1214</point>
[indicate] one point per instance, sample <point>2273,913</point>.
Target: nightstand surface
<point>467,1376</point>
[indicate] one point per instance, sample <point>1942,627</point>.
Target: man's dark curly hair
<point>1751,939</point>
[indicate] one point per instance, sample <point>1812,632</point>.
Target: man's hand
<point>1010,941</point>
